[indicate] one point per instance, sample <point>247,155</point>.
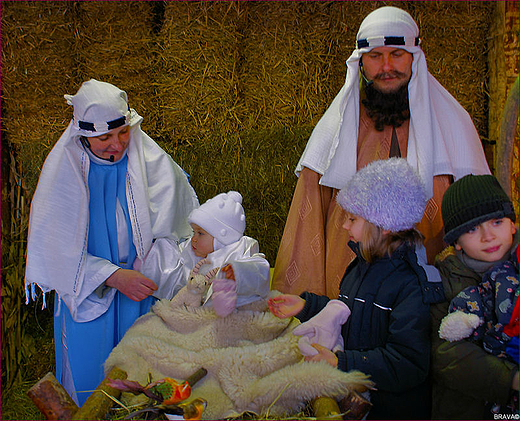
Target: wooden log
<point>195,377</point>
<point>325,407</point>
<point>52,399</point>
<point>98,404</point>
<point>354,407</point>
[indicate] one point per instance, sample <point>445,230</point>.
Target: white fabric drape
<point>442,138</point>
<point>159,198</point>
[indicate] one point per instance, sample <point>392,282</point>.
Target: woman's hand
<point>286,305</point>
<point>131,283</point>
<point>324,354</point>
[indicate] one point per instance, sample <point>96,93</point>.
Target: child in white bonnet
<point>218,226</point>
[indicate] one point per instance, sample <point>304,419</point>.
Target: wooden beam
<point>52,399</point>
<point>98,404</point>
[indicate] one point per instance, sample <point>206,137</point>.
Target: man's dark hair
<point>386,109</point>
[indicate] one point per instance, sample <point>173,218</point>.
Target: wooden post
<point>52,399</point>
<point>324,407</point>
<point>98,404</point>
<point>54,402</point>
<point>195,377</point>
<point>354,407</point>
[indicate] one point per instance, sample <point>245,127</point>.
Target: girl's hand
<point>131,283</point>
<point>324,354</point>
<point>286,305</point>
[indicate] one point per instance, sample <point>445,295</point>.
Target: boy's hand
<point>286,305</point>
<point>515,385</point>
<point>323,355</point>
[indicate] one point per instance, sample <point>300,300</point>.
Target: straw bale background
<point>231,89</point>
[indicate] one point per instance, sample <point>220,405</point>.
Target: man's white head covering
<point>442,138</point>
<point>100,107</point>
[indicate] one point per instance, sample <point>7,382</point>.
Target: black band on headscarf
<point>116,123</point>
<point>85,125</point>
<point>363,43</point>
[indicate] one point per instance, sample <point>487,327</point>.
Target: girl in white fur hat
<point>218,235</point>
<point>380,323</point>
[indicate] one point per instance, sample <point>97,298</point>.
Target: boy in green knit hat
<point>479,224</point>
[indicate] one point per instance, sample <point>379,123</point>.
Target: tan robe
<point>313,252</point>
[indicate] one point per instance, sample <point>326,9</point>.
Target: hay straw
<point>35,41</point>
<point>455,44</point>
<point>115,43</point>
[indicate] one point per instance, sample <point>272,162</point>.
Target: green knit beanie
<point>472,200</point>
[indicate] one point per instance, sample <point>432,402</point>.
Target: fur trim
<point>252,359</point>
<point>458,325</point>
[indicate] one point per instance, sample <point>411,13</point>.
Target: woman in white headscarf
<point>106,191</point>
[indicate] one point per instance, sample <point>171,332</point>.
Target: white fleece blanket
<point>252,359</point>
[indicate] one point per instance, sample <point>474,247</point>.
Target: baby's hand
<point>286,305</point>
<point>323,354</point>
<point>224,296</point>
<point>228,272</point>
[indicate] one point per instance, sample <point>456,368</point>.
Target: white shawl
<point>442,138</point>
<point>159,198</point>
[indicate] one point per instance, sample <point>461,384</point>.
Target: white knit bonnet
<point>388,193</point>
<point>222,217</point>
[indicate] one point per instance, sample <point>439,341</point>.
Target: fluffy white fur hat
<point>221,216</point>
<point>387,193</point>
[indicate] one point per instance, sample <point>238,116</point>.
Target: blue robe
<point>85,346</point>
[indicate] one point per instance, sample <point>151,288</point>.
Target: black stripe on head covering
<point>394,41</point>
<point>116,123</point>
<point>85,125</point>
<point>363,43</point>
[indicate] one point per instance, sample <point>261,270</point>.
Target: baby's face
<point>489,241</point>
<point>201,242</point>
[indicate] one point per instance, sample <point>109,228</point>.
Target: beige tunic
<point>313,252</point>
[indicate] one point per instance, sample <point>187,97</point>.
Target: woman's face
<point>113,143</point>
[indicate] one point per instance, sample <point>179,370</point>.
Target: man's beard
<point>386,109</point>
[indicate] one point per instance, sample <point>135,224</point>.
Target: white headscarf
<point>159,198</point>
<point>442,138</point>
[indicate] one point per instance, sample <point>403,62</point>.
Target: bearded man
<point>390,105</point>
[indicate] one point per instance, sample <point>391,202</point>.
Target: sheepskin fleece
<point>252,359</point>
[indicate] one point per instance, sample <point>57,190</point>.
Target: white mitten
<point>458,325</point>
<point>224,296</point>
<point>323,329</point>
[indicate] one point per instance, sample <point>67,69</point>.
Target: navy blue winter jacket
<point>387,334</point>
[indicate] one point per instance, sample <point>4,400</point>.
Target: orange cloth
<point>313,252</point>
